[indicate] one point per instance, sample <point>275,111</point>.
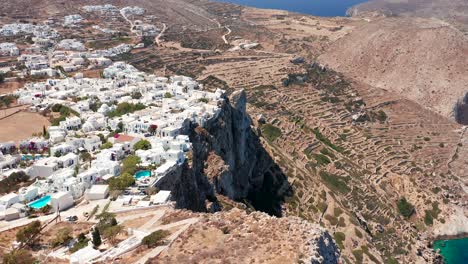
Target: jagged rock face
<point>227,158</point>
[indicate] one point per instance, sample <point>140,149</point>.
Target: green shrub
<point>325,140</point>
<point>106,145</point>
<point>142,144</point>
<point>155,239</point>
<point>405,208</point>
<point>321,159</point>
<point>122,182</point>
<point>126,108</point>
<point>339,238</point>
<point>334,182</point>
<point>271,132</point>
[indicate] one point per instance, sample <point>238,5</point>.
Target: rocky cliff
<point>227,158</point>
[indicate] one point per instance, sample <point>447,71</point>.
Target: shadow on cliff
<point>228,158</point>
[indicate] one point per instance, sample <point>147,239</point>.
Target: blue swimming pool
<point>30,157</point>
<point>142,173</point>
<point>39,203</point>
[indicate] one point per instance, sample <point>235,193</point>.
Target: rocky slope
<point>238,237</point>
<point>452,11</point>
<point>422,59</point>
<point>228,159</point>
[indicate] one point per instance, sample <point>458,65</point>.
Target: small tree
<point>96,237</point>
<point>112,232</point>
<point>19,256</point>
<point>28,235</point>
<point>86,156</point>
<point>62,236</point>
<point>167,95</point>
<point>142,144</point>
<point>2,77</point>
<point>406,209</point>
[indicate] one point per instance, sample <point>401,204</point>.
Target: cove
<point>454,251</point>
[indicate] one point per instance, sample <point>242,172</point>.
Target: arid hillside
<point>237,237</point>
<point>452,11</point>
<point>424,60</point>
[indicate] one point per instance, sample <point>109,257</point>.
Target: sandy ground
<point>21,126</point>
<point>8,87</point>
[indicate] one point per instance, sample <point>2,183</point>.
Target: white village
<point>112,139</point>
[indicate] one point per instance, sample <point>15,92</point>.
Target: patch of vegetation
<point>29,234</point>
<point>321,159</point>
<point>331,219</point>
<point>405,208</point>
<point>379,115</point>
<point>334,182</point>
<point>357,232</point>
<point>432,214</point>
<point>106,145</point>
<point>358,255</point>
<point>142,144</point>
<point>130,164</point>
<point>270,132</point>
<point>339,238</point>
<point>155,239</point>
<point>122,182</point>
<point>325,140</point>
<point>81,243</point>
<point>62,236</point>
<point>18,256</point>
<point>125,108</point>
<point>13,182</point>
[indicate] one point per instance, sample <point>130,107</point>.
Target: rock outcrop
<point>227,158</point>
<point>238,237</point>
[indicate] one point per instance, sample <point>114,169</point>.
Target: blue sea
<point>324,8</point>
<point>454,251</point>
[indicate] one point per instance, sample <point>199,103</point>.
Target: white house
<point>28,193</point>
<point>97,192</point>
<point>9,199</point>
<point>71,123</point>
<point>161,197</point>
<point>43,167</point>
<point>61,201</point>
<point>92,143</point>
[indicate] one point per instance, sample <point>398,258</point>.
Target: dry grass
<point>21,126</point>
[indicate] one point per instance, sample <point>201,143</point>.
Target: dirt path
<point>158,37</point>
<point>225,35</point>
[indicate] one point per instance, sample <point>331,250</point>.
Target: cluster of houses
<point>40,31</point>
<point>9,49</point>
<point>168,106</point>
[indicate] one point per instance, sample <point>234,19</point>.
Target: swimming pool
<point>30,157</point>
<point>143,173</point>
<point>41,202</point>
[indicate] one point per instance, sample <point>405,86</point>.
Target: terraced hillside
<point>352,151</point>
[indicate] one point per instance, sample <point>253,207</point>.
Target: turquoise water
<point>143,173</point>
<point>454,251</point>
<point>30,157</point>
<point>324,8</point>
<point>39,203</point>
